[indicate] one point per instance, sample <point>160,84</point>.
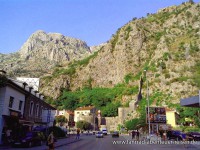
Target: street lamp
<point>148,103</point>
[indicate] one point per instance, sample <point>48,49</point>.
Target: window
<point>37,110</point>
<point>11,101</point>
<point>20,105</point>
<point>31,109</point>
<point>41,109</point>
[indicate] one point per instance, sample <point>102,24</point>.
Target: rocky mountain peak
<point>54,47</point>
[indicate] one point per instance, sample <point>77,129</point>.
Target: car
<point>115,134</point>
<point>99,134</point>
<point>104,131</point>
<point>176,135</point>
<point>193,136</point>
<point>32,138</point>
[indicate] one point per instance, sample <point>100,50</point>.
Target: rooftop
<point>85,108</point>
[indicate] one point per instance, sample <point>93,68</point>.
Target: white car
<point>104,131</point>
<point>99,134</point>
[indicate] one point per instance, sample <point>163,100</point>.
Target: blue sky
<point>93,21</point>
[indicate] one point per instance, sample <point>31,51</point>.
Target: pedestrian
<point>8,135</point>
<point>77,133</point>
<point>138,135</point>
<point>165,136</point>
<point>50,141</point>
<point>161,134</point>
<point>133,134</point>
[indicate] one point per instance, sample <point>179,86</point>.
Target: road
<point>123,142</point>
<point>108,143</point>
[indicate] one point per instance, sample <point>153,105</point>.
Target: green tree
<point>111,109</point>
<point>84,125</point>
<point>188,112</point>
<point>3,80</point>
<point>61,119</point>
<point>132,124</point>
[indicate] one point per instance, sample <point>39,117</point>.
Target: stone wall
<point>123,113</point>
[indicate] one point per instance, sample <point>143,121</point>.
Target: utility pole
<point>148,104</point>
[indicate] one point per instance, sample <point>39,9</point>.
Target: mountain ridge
<point>165,43</point>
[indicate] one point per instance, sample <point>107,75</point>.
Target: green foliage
<point>61,119</point>
<point>114,40</point>
<point>88,84</point>
<point>83,125</point>
<point>127,32</point>
<point>141,109</point>
<point>132,124</point>
<point>158,35</point>
<point>188,14</point>
<point>167,75</point>
<point>131,77</point>
<point>188,112</point>
<point>128,77</point>
<point>194,47</point>
<point>157,75</point>
<point>47,79</point>
<point>166,56</point>
<point>3,80</point>
<point>181,46</point>
<point>86,61</point>
<point>162,64</point>
<point>99,97</point>
<point>152,67</point>
<point>196,74</point>
<point>58,132</point>
<point>111,109</point>
<point>71,70</point>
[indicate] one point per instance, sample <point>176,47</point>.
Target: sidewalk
<point>59,143</point>
<point>65,141</point>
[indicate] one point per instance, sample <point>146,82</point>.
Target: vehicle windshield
<point>99,132</point>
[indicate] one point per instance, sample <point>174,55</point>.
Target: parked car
<point>176,135</point>
<point>104,131</point>
<point>99,134</point>
<point>31,139</point>
<point>193,136</point>
<point>115,134</point>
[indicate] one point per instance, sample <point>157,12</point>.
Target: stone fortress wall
<point>123,112</point>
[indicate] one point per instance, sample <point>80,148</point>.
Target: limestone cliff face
<point>41,52</point>
<point>53,47</point>
<point>165,43</point>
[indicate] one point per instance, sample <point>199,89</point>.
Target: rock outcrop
<point>54,47</point>
<point>41,52</point>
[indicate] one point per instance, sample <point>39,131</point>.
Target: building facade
<point>88,113</point>
<point>69,115</point>
<point>21,109</point>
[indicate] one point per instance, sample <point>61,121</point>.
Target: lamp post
<point>148,104</point>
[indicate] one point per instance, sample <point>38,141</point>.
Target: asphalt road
<point>108,143</point>
<point>123,143</point>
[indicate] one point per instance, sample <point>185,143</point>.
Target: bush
<point>58,132</point>
<point>3,80</point>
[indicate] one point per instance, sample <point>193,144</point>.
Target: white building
<point>21,108</point>
<point>81,112</point>
<point>12,101</point>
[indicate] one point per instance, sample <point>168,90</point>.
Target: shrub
<point>58,132</point>
<point>3,80</point>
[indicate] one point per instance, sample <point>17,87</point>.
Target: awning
<point>193,101</point>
